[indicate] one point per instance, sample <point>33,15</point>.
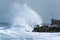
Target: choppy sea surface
<point>23,19</point>
<point>7,33</point>
<point>31,36</point>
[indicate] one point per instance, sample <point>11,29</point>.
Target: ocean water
<point>19,22</point>
<point>31,36</point>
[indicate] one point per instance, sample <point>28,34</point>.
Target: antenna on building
<point>52,15</point>
<point>52,19</point>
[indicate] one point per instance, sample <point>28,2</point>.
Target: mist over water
<point>24,15</point>
<point>22,18</point>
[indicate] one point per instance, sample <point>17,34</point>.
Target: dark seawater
<point>7,37</point>
<point>5,25</point>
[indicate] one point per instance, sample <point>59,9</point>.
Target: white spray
<point>28,15</point>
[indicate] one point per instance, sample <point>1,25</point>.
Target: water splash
<point>23,21</point>
<point>19,22</point>
<point>29,16</point>
<point>24,18</point>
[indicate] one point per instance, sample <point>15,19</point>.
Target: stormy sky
<point>44,8</point>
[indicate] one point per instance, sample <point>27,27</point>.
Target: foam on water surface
<point>23,20</point>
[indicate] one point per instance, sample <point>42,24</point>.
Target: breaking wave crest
<point>25,15</point>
